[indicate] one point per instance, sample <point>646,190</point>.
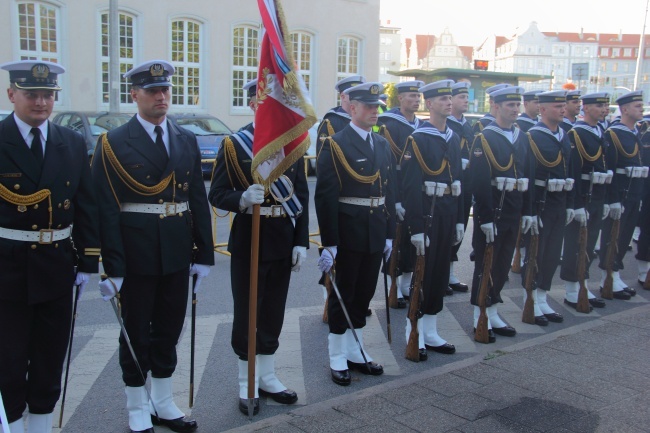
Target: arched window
<point>185,56</point>
<point>127,54</point>
<point>245,47</point>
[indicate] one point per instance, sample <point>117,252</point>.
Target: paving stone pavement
<point>592,377</point>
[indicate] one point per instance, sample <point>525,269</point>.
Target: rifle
<point>481,334</point>
<point>193,340</point>
<point>583,298</point>
<point>388,331</point>
<point>328,287</point>
<point>415,302</point>
<point>528,315</point>
<point>394,263</point>
<point>607,292</point>
<point>516,261</point>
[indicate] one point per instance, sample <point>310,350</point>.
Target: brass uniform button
<point>180,214</point>
<point>66,204</point>
<point>268,200</point>
<point>33,246</point>
<point>67,183</point>
<point>59,226</point>
<point>35,227</point>
<point>148,177</point>
<point>22,208</point>
<point>59,205</point>
<point>56,245</point>
<point>160,201</point>
<point>188,173</point>
<point>36,206</point>
<point>267,216</point>
<point>162,216</point>
<point>371,212</point>
<point>17,187</point>
<point>180,185</point>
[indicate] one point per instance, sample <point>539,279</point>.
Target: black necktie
<point>369,141</point>
<point>37,146</point>
<point>159,140</point>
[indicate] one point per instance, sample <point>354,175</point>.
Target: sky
<point>471,21</point>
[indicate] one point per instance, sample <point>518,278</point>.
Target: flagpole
<point>252,308</point>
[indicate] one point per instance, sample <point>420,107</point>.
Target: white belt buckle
<point>374,201</point>
<point>170,209</point>
<point>45,236</point>
<point>276,210</point>
<point>644,172</point>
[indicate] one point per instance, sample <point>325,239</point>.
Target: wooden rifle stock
<point>583,299</point>
<point>481,334</point>
<point>516,261</point>
<point>392,270</point>
<point>412,347</point>
<point>607,291</point>
<point>328,287</point>
<point>528,315</point>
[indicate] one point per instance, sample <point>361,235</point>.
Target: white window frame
<point>126,63</point>
<point>249,72</point>
<point>347,65</point>
<point>307,74</point>
<point>183,66</point>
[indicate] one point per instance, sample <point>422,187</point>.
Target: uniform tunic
<point>643,246</point>
<point>482,123</point>
<point>347,167</point>
<point>278,236</point>
<point>153,252</point>
<point>504,156</point>
<point>587,156</point>
<point>333,121</point>
<point>552,162</point>
<point>433,155</point>
<point>525,122</point>
<point>36,281</point>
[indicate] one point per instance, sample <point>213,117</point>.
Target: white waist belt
<point>585,176</point>
<point>514,188</point>
<point>621,171</point>
<point>369,202</point>
<point>44,236</point>
<point>167,209</point>
<point>274,211</point>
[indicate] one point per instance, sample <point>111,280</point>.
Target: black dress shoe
<point>182,424</point>
<point>623,295</point>
<point>459,287</point>
<point>401,303</point>
<point>541,321</point>
<point>447,349</point>
<point>288,396</point>
<point>369,312</point>
<point>149,430</point>
<point>554,317</point>
<point>630,290</point>
<point>423,354</point>
<point>406,298</point>
<point>243,406</point>
<point>375,369</point>
<point>448,291</point>
<point>574,305</point>
<point>341,377</point>
<point>597,303</point>
<point>506,331</point>
<point>491,337</point>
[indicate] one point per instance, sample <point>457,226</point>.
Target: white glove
<point>253,195</point>
<point>298,256</point>
<point>419,242</point>
<point>81,280</point>
<point>510,184</point>
<point>455,188</point>
<point>460,232</point>
<point>615,211</point>
<point>580,216</point>
<point>326,260</point>
<point>605,211</point>
<point>388,248</point>
<point>490,232</point>
<point>110,287</point>
<point>570,214</point>
<point>464,163</point>
<point>526,223</point>
<point>201,271</point>
<point>400,211</point>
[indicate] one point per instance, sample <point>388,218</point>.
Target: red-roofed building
<point>442,52</point>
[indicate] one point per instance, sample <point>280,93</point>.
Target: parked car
<point>91,124</point>
<point>4,114</point>
<point>209,132</point>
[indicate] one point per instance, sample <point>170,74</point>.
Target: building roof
<point>467,51</point>
<point>424,44</point>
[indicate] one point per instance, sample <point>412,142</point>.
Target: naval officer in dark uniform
<point>153,210</point>
<point>497,163</point>
<point>355,207</point>
<point>396,125</point>
<point>643,246</point>
<point>590,174</point>
<point>432,165</point>
<point>46,201</point>
<point>284,238</point>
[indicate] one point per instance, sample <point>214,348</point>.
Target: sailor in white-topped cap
<point>148,253</point>
<point>624,158</point>
<point>46,198</point>
<point>432,156</point>
<point>572,110</point>
<point>530,116</point>
<point>489,117</point>
<point>396,125</point>
<point>588,167</point>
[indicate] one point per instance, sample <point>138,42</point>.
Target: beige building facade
<point>213,45</point>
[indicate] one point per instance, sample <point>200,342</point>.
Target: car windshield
<point>203,125</point>
<point>102,123</point>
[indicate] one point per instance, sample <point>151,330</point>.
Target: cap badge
<point>40,70</point>
<point>157,70</point>
<point>374,90</point>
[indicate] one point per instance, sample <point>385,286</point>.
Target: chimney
<point>581,35</point>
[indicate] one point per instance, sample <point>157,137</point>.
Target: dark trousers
<point>643,246</point>
<point>356,278</point>
<point>153,310</point>
<point>467,204</point>
<point>626,230</point>
<point>272,288</point>
<point>569,269</point>
<point>504,247</point>
<point>436,269</point>
<point>549,248</point>
<point>33,344</point>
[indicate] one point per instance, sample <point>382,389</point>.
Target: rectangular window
<point>302,44</point>
<point>604,52</point>
<point>348,58</point>
<point>244,62</point>
<point>186,52</point>
<point>127,55</point>
<point>616,52</point>
<point>37,32</point>
<point>614,67</point>
<point>627,52</point>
